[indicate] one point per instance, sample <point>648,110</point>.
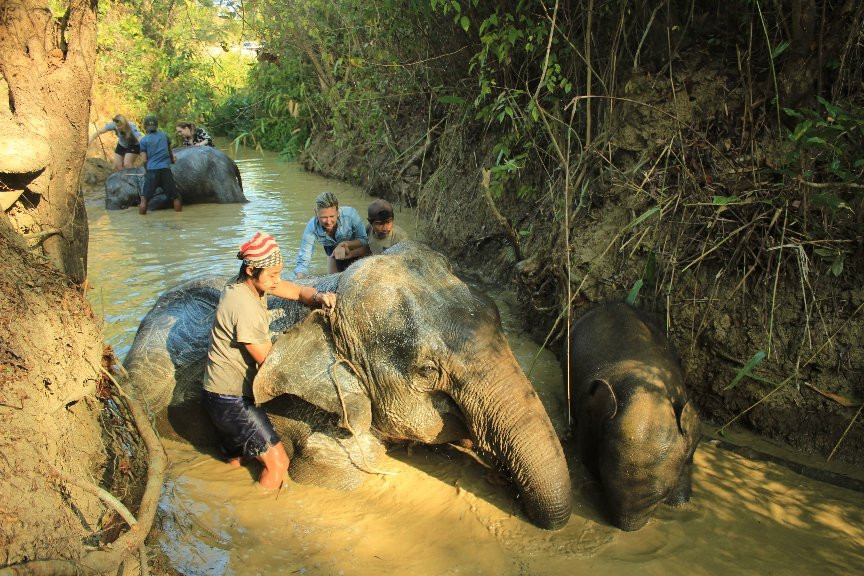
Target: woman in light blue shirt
<point>339,230</point>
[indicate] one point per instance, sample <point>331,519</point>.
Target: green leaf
<point>457,100</point>
<point>801,129</point>
<point>792,112</point>
<point>779,49</point>
<point>465,23</point>
<point>826,201</point>
<point>634,292</point>
<point>723,200</point>
<point>650,273</point>
<point>837,267</point>
<point>816,140</point>
<point>832,110</point>
<point>746,369</point>
<point>640,218</point>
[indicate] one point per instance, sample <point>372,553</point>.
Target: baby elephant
<point>635,430</point>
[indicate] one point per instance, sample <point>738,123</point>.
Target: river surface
<point>442,513</point>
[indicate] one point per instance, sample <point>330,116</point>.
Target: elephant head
<point>413,354</point>
<point>635,429</point>
<point>641,447</point>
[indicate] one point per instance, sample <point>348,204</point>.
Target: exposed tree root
<point>130,543</point>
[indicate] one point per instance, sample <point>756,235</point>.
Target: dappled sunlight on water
<point>443,512</point>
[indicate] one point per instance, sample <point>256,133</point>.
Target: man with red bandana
<point>239,344</point>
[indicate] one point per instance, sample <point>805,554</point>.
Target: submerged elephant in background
<point>634,428</point>
<point>410,353</point>
<point>202,174</point>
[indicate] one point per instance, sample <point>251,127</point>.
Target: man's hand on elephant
<point>327,300</point>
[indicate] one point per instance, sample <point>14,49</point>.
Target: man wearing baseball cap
<point>381,230</point>
<point>239,344</point>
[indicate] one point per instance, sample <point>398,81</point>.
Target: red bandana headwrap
<point>260,252</point>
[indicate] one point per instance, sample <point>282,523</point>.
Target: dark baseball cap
<point>380,211</point>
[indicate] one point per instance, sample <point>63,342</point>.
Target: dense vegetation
<point>181,60</point>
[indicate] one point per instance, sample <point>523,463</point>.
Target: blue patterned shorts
<point>244,429</point>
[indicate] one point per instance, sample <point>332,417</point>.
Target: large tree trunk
<point>47,66</point>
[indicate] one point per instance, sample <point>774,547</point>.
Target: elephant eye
<point>428,370</point>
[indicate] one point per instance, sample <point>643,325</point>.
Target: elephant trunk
<point>510,423</point>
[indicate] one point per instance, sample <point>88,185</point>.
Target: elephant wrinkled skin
<point>202,174</point>
<point>635,430</point>
<point>410,353</point>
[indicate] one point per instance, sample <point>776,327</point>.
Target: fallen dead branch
<point>100,493</point>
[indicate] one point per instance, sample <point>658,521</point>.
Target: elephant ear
<point>303,362</point>
<point>602,402</point>
<point>688,421</point>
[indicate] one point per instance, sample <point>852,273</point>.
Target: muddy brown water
<point>441,512</point>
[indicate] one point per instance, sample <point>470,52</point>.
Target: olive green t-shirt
<point>241,318</point>
<point>378,245</point>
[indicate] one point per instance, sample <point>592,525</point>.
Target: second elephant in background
<point>202,174</point>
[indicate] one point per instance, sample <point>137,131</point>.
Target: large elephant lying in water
<point>202,174</point>
<point>410,353</point>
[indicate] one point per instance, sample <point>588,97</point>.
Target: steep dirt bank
<point>733,281</point>
<point>64,440</point>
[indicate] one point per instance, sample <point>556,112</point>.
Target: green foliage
<point>167,57</point>
<point>634,291</point>
<point>830,140</point>
<point>834,259</point>
<point>271,112</point>
<point>745,370</point>
<point>827,147</point>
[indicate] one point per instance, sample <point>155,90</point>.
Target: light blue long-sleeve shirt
<point>349,227</point>
<point>121,138</point>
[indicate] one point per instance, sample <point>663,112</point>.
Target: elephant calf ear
<point>602,401</point>
<point>688,422</point>
<point>303,362</point>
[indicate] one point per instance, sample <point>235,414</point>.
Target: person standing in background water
<point>339,230</point>
<point>128,138</point>
<point>158,157</point>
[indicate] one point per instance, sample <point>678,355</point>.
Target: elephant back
<point>206,174</point>
<point>166,362</point>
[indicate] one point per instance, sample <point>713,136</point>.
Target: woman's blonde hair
<point>122,124</point>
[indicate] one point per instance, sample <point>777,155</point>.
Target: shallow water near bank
<point>442,512</point>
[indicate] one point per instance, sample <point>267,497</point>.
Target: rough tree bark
<point>47,68</point>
